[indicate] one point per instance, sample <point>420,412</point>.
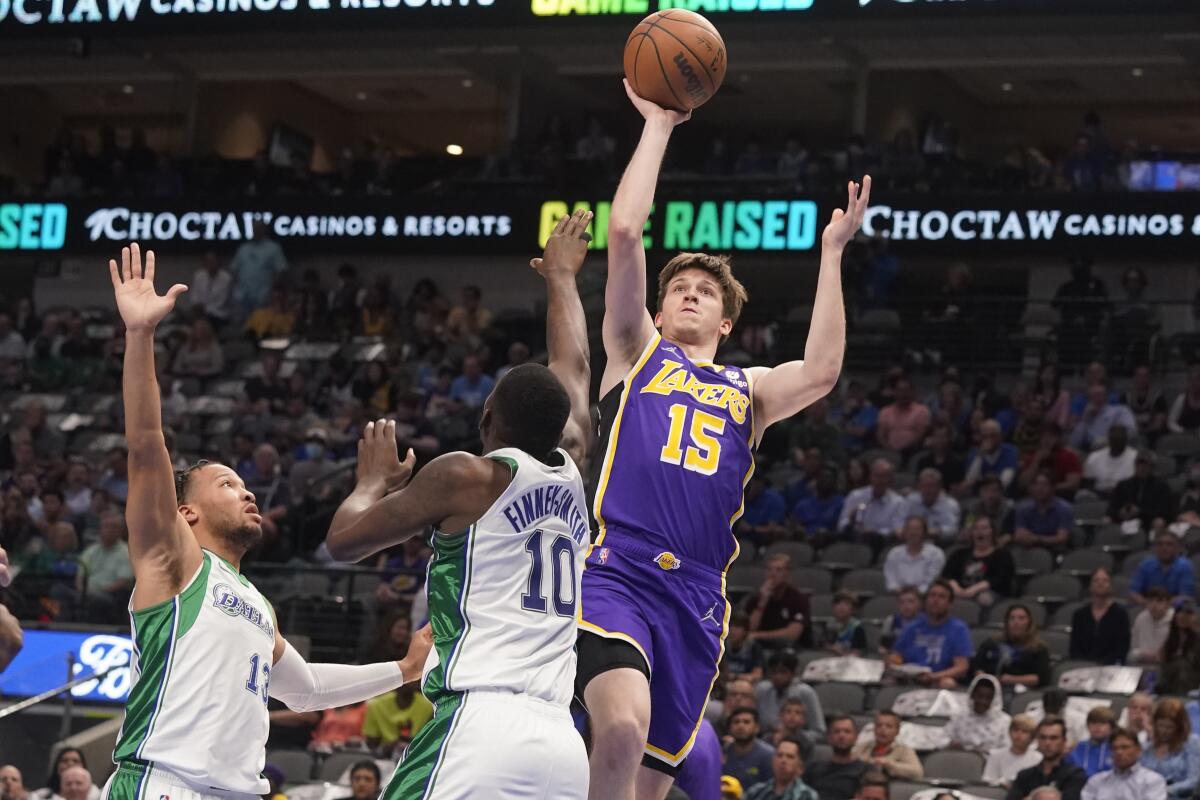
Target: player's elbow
<point>341,547</point>
<point>624,234</point>
<point>145,445</point>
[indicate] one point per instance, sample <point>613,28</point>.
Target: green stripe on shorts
<point>417,772</point>
<point>127,783</point>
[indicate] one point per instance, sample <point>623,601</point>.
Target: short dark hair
<point>53,491</point>
<point>842,718</point>
<point>784,659</point>
<point>942,583</point>
<point>842,596</point>
<point>1052,721</point>
<point>369,766</point>
<point>796,742</point>
<point>991,479</point>
<point>183,480</point>
<point>744,710</point>
<point>1158,593</point>
<point>1055,699</point>
<point>1124,733</point>
<point>531,408</point>
<point>874,778</point>
<point>884,712</point>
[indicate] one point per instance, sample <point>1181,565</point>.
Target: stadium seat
<point>746,577</point>
<point>335,764</point>
<point>879,607</point>
<point>967,610</point>
<point>296,765</point>
<point>986,792</point>
<point>1057,642</point>
<point>864,582</point>
<point>1090,512</point>
<point>1113,539</point>
<point>1032,561</point>
<point>1062,615</point>
<point>1178,445</point>
<point>1120,586</point>
<point>821,752</point>
<point>810,579</point>
<point>954,765</point>
<point>841,698</point>
<point>1054,586</point>
<point>845,555</point>
<point>1021,701</point>
<point>995,615</point>
<point>1133,561</point>
<point>887,695</point>
<point>801,553</point>
<point>1082,563</point>
<point>820,606</point>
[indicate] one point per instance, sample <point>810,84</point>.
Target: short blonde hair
<point>1023,722</point>
<point>733,294</point>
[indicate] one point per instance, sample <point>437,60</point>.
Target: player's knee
<point>621,735</point>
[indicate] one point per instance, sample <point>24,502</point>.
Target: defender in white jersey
<point>510,533</point>
<point>207,648</point>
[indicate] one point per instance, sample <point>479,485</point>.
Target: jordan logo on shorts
<point>710,615</point>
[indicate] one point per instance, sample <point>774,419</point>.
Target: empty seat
<point>820,606</point>
<point>879,607</point>
<point>1082,563</point>
<point>868,582</point>
<point>746,577</point>
<point>335,764</point>
<point>801,553</point>
<point>1090,512</point>
<point>1063,587</point>
<point>887,695</point>
<point>1022,701</point>
<point>812,579</point>
<point>841,698</point>
<point>1062,615</point>
<point>1112,537</point>
<point>966,610</point>
<point>955,765</point>
<point>1057,642</point>
<point>1032,560</point>
<point>1178,445</point>
<point>296,765</point>
<point>986,792</point>
<point>846,554</point>
<point>1134,560</point>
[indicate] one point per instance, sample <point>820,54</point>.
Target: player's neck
<point>222,550</point>
<point>695,352</point>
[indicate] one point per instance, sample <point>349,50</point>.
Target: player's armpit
<point>162,549</point>
<point>450,488</point>
<point>783,391</point>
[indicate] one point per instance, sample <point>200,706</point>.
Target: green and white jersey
<point>202,660</point>
<point>503,594</point>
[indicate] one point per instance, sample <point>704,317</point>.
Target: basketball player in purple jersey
<point>680,434</point>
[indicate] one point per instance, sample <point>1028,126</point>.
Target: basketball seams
<point>666,77</point>
<point>637,56</point>
<point>703,64</point>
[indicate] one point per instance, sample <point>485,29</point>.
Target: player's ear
<point>726,327</point>
<point>658,320</point>
<point>189,514</point>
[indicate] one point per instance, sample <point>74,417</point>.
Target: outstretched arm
<point>162,549</point>
<point>627,324</point>
<point>784,390</point>
<point>566,326</point>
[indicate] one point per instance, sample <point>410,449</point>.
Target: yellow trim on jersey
<point>624,637</point>
<point>611,452</point>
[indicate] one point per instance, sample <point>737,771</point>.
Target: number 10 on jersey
<point>561,550</point>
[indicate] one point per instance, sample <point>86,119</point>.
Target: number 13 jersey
<point>680,449</point>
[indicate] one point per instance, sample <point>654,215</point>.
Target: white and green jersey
<point>198,706</point>
<point>503,594</point>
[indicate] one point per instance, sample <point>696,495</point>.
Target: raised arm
<point>566,326</point>
<point>627,323</point>
<point>162,549</point>
<point>784,390</point>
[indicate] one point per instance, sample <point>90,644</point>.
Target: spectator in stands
<point>817,432</point>
<point>982,571</point>
<point>393,719</point>
<point>873,786</point>
<point>983,726</point>
<point>1082,303</point>
<point>12,343</point>
<point>858,418</point>
<point>1003,763</point>
<point>1188,509</point>
<point>365,781</point>
<point>1144,498</point>
<point>908,610</point>
<point>1168,568</point>
<point>743,657</point>
<point>916,562</point>
<point>1027,434</point>
<point>53,511</point>
<point>838,778</point>
<point>256,266</point>
<point>1109,465</point>
<point>393,635</point>
<point>374,389</point>
<point>786,783</point>
<point>1151,627</point>
<point>1055,400</point>
<point>1100,631</point>
<point>266,392</point>
<point>779,614</point>
<point>793,724</point>
<point>376,317</point>
<point>1050,456</point>
<point>1053,770</point>
<point>747,757</point>
<point>1180,670</point>
<point>941,457</point>
<point>1184,416</point>
<point>1018,656</point>
<point>66,758</point>
<point>467,321</point>
<point>817,514</point>
<point>1094,375</point>
<point>1098,416</point>
<point>938,643</point>
<point>731,788</point>
<point>1044,519</point>
<point>77,489</point>
<point>874,513</point>
<point>332,729</point>
<point>272,493</point>
<point>993,456</point>
<point>66,182</point>
<point>48,443</point>
<point>473,386</point>
<point>107,577</point>
<point>763,516</point>
<point>1094,754</point>
<point>1138,717</point>
<point>739,693</point>
<point>274,318</point>
<point>12,784</point>
<point>845,636</point>
<point>783,684</point>
<point>993,505</point>
<point>201,355</point>
<point>885,754</point>
<point>903,424</point>
<point>76,784</point>
<point>939,510</point>
<point>1147,402</point>
<point>1127,779</point>
<point>210,289</point>
<point>1174,751</point>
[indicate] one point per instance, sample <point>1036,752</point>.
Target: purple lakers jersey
<point>680,441</point>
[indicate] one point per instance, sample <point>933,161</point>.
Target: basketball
<point>676,59</point>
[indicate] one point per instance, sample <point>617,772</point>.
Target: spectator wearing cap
<point>904,422</point>
<point>1100,630</point>
<point>940,511</point>
<point>731,788</point>
<point>1144,497</point>
<point>1168,568</point>
<point>914,562</point>
<point>874,513</point>
<point>1050,456</point>
<point>1109,465</point>
<point>1044,519</point>
<point>993,456</point>
<point>786,781</point>
<point>938,642</point>
<point>1098,416</point>
<point>1127,780</point>
<point>747,757</point>
<point>1151,627</point>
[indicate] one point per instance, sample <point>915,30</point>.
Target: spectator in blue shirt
<point>874,514</point>
<point>858,419</point>
<point>1094,754</point>
<point>763,515</point>
<point>937,641</point>
<point>1044,520</point>
<point>473,386</point>
<point>1098,416</point>
<point>819,512</point>
<point>994,456</point>
<point>1167,568</point>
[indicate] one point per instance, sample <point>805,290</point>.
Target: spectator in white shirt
<point>1110,465</point>
<point>1099,416</point>
<point>12,343</point>
<point>1138,718</point>
<point>940,511</point>
<point>1128,779</point>
<point>210,289</point>
<point>1151,628</point>
<point>874,513</point>
<point>916,562</point>
<point>1003,763</point>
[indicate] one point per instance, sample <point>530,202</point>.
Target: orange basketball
<point>676,59</point>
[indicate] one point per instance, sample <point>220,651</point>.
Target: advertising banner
<point>42,665</point>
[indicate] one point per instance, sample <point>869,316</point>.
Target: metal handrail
<point>49,694</point>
